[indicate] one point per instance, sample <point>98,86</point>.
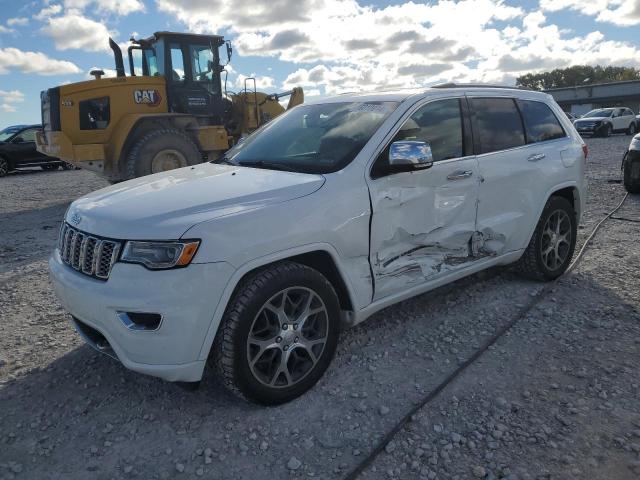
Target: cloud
<point>18,22</point>
<point>76,31</point>
<point>4,29</point>
<point>623,13</point>
<point>12,96</point>
<point>287,39</point>
<point>347,45</point>
<point>48,12</point>
<point>424,70</point>
<point>118,7</point>
<point>33,62</point>
<point>262,83</point>
<point>8,99</point>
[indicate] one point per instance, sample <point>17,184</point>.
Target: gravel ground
<point>557,397</point>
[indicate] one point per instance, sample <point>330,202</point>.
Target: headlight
<point>635,144</point>
<point>160,255</point>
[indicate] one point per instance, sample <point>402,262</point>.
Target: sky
<point>325,46</point>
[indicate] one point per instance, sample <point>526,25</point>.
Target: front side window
<point>94,114</point>
<point>201,63</point>
<point>497,123</point>
<point>540,122</point>
<point>440,124</point>
<point>320,138</point>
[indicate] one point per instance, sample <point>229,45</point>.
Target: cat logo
<point>147,97</point>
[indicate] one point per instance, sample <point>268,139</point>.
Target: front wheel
<point>50,166</point>
<point>278,334</point>
<point>551,247</point>
<point>607,130</point>
<point>4,167</point>
<point>159,151</point>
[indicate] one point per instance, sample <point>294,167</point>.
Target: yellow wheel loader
<point>170,112</point>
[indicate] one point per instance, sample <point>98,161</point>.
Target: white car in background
<point>605,121</point>
<point>329,213</point>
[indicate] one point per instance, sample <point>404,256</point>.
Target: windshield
<point>602,112</point>
<point>320,138</point>
<point>7,133</point>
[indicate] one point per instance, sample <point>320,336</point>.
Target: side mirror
<point>410,155</point>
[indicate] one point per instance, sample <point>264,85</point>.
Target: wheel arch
<point>321,257</point>
<point>568,191</point>
<point>133,127</point>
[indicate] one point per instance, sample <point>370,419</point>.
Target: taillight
<point>585,150</point>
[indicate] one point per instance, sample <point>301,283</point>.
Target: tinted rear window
<point>497,123</point>
<point>540,122</point>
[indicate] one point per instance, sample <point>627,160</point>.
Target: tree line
<point>578,75</point>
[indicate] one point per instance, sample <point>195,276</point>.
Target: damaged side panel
<point>424,225</point>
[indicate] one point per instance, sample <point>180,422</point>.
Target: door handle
<point>459,175</point>
<point>536,157</point>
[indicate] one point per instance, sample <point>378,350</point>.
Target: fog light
<point>140,320</point>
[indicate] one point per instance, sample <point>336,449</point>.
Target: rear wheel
<point>278,335</point>
<point>159,151</point>
<point>631,173</point>
<point>4,167</point>
<point>632,129</point>
<point>551,247</point>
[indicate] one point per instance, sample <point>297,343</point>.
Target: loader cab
<point>190,64</point>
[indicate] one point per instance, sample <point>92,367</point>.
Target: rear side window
<point>497,123</point>
<point>541,123</point>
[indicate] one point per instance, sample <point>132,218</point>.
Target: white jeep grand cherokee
<point>327,214</point>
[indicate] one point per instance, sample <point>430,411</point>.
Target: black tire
<point>50,166</point>
<point>140,157</point>
<point>607,130</point>
<point>68,166</point>
<point>531,264</point>
<point>230,352</point>
<point>4,167</point>
<point>631,174</point>
<point>632,129</point>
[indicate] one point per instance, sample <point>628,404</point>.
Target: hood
<point>592,119</point>
<point>167,204</point>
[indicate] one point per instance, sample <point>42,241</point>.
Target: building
<point>580,99</point>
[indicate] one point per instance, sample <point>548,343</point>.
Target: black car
<point>18,149</point>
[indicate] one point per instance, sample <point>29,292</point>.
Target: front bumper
<point>589,129</point>
<point>186,298</point>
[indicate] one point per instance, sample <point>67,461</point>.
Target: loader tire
<point>159,151</point>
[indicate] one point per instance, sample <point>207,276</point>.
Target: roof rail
<point>476,85</point>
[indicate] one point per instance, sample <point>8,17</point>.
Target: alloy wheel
<point>4,167</point>
<point>287,337</point>
<point>556,239</point>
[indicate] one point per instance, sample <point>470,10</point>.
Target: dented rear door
<point>423,222</point>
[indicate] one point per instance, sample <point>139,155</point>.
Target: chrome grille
<point>90,255</point>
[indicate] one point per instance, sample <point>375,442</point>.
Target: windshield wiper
<point>268,165</point>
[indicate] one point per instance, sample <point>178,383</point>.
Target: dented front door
<point>423,222</point>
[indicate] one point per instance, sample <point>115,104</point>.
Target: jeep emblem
<point>76,219</point>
